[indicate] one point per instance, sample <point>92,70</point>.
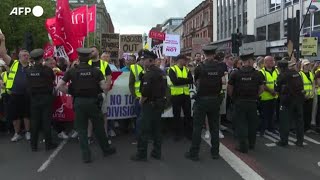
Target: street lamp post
<point>312,10</point>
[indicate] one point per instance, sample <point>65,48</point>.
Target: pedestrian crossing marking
<point>290,138</point>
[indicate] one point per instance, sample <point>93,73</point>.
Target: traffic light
<point>236,40</point>
<point>28,41</point>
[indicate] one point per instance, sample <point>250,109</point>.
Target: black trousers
<point>307,113</point>
<point>318,114</point>
<point>182,125</point>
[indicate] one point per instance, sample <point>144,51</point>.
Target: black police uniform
<point>85,84</point>
<point>208,78</point>
<point>153,87</point>
<point>290,88</point>
<point>40,87</point>
<point>246,83</point>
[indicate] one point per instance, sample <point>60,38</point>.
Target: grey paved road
<point>266,162</point>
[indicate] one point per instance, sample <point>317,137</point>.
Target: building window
<point>274,5</point>
<point>239,20</point>
<point>317,18</point>
<point>261,33</point>
<point>274,31</point>
<point>245,18</point>
<point>205,34</point>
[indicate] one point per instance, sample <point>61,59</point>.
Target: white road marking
<point>246,172</point>
<point>290,138</point>
<point>271,144</point>
<point>52,156</point>
<point>311,140</point>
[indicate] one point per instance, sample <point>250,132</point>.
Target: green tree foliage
<point>15,27</point>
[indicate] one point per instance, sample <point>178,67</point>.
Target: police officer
<point>153,90</point>
<point>136,71</point>
<point>244,87</point>
<point>181,78</point>
<point>290,88</point>
<point>87,83</point>
<point>208,80</point>
<point>40,87</point>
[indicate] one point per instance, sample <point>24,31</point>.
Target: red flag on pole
<point>79,21</point>
<point>92,12</point>
<point>64,28</point>
<point>48,51</point>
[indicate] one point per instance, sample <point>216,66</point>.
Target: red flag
<point>63,18</point>
<point>52,30</point>
<point>92,11</point>
<point>48,51</point>
<point>79,21</point>
<point>65,29</point>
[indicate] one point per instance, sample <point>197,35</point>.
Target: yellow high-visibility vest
<point>270,83</point>
<point>103,66</point>
<point>136,71</point>
<point>318,89</point>
<point>183,89</point>
<point>12,74</point>
<point>307,83</point>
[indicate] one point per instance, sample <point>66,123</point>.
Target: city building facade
<point>170,24</point>
<point>233,16</point>
<point>271,24</point>
<point>104,22</point>
<point>198,25</point>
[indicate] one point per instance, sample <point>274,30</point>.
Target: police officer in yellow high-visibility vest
<point>181,78</point>
<point>308,84</point>
<point>269,96</point>
<point>136,72</point>
<point>317,84</point>
<point>18,106</point>
<point>104,67</point>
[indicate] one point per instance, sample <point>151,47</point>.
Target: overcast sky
<point>139,16</point>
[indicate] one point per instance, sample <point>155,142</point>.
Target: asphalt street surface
<point>267,161</point>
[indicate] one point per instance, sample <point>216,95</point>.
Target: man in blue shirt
<point>18,104</point>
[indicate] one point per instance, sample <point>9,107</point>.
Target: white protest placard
<point>171,46</point>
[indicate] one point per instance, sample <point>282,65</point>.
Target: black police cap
<point>37,54</point>
<point>84,52</point>
<point>180,56</point>
<point>247,56</point>
<point>210,48</point>
<point>147,54</point>
<point>283,63</point>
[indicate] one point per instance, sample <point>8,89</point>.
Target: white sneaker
<point>223,128</point>
<point>116,124</point>
<point>207,134</point>
<point>62,135</point>
<point>28,136</point>
<point>221,136</point>
<point>74,134</point>
<point>112,133</point>
<point>16,137</point>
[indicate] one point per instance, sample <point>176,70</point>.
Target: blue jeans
<point>138,114</point>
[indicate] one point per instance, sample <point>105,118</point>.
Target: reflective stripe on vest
<point>270,82</point>
<point>318,89</point>
<point>183,89</point>
<point>136,70</point>
<point>307,83</point>
<point>12,74</point>
<point>103,66</point>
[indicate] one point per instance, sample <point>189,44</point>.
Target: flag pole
<point>302,24</point>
